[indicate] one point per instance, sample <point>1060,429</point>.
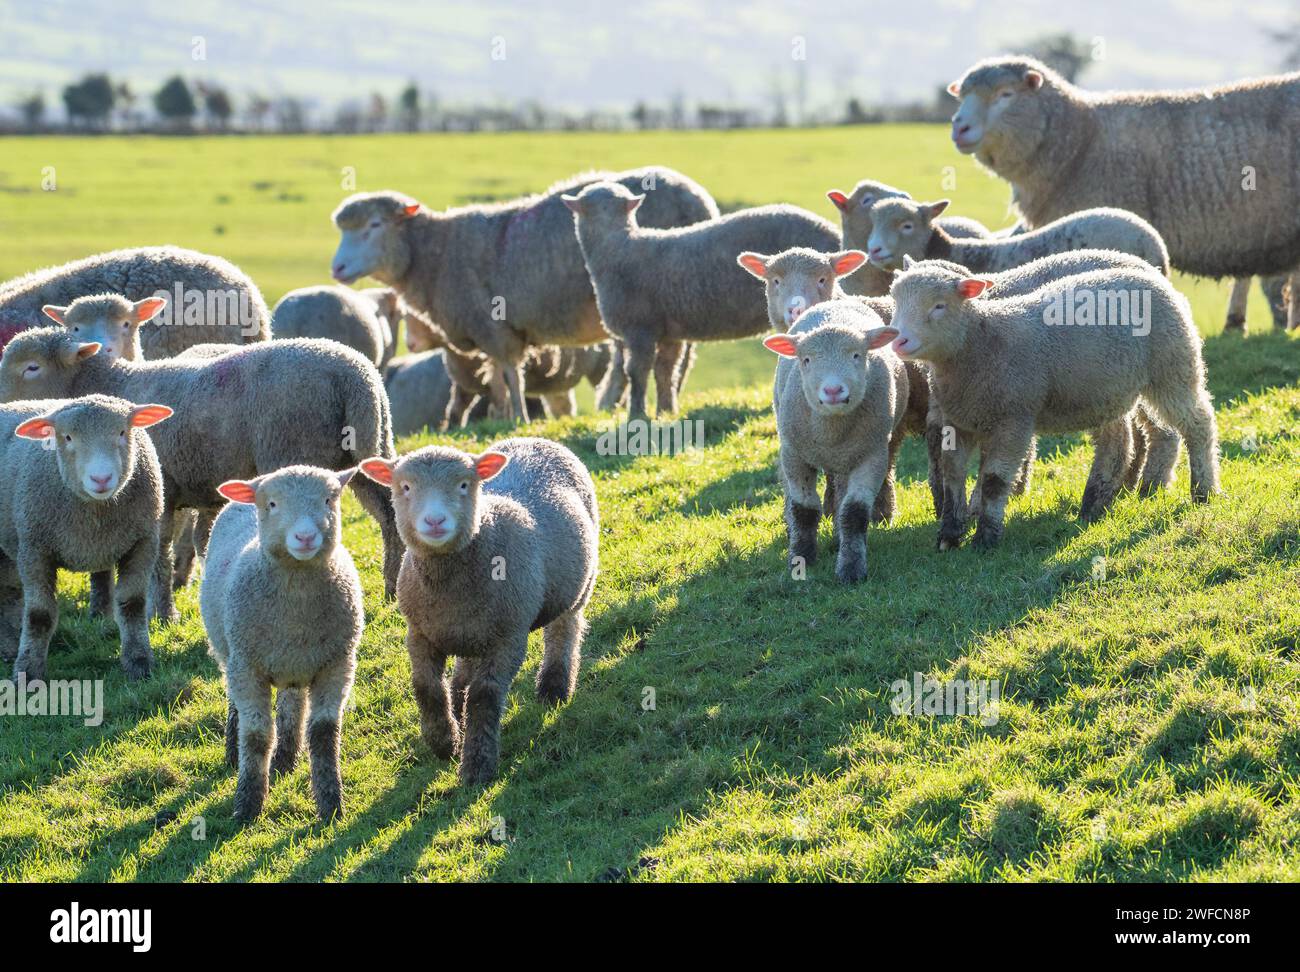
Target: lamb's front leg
<point>484,705</point>
<point>861,488</point>
<point>953,465</point>
<point>329,694</point>
<point>251,697</point>
<point>40,615</point>
<point>134,574</point>
<point>101,594</point>
<point>428,681</point>
<point>1003,455</point>
<point>802,508</point>
<point>160,602</point>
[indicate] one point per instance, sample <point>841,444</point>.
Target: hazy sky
<point>579,54</point>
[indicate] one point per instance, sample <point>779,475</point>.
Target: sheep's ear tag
<point>880,337</point>
<point>781,344</point>
<point>973,287</point>
<point>238,490</point>
<point>35,428</point>
<point>380,470</point>
<point>755,263</point>
<point>410,210</point>
<point>54,312</point>
<point>848,261</point>
<point>1033,80</point>
<point>146,309</point>
<point>147,415</point>
<point>838,198</point>
<point>954,89</point>
<point>489,464</point>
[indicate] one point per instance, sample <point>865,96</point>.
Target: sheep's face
<point>436,494</point>
<point>297,511</point>
<point>930,309</point>
<point>901,228</point>
<point>609,204</point>
<point>109,320</point>
<point>831,356</point>
<point>798,279</point>
<point>1001,112</point>
<point>95,440</point>
<point>371,241</point>
<point>41,363</point>
<point>855,208</point>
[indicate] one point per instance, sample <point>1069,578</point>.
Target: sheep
<point>1002,371</point>
<point>906,228</point>
<point>855,231</point>
<point>658,288</point>
<point>497,545</point>
<point>87,498</point>
<point>244,413</point>
<point>497,278</point>
<point>109,320</point>
<point>419,391</point>
<point>337,313</point>
<point>1272,287</point>
<point>282,605</point>
<point>388,308</point>
<point>1224,203</point>
<point>840,396</point>
<point>213,300</point>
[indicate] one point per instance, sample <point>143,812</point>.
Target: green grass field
<point>1148,726</point>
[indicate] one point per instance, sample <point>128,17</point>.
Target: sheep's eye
<point>939,307</point>
<point>807,361</point>
<point>374,224</point>
<point>822,281</point>
<point>857,356</point>
<point>76,328</point>
<point>122,435</point>
<point>270,504</point>
<point>866,201</point>
<point>906,227</point>
<point>31,368</point>
<point>1006,94</point>
<point>125,325</point>
<point>464,486</point>
<point>406,487</point>
<point>67,437</point>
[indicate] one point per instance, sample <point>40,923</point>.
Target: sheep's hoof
<point>1235,322</point>
<point>283,762</point>
<point>853,572</point>
<point>137,668</point>
<point>987,537</point>
<point>330,810</point>
<point>440,742</point>
<point>553,692</point>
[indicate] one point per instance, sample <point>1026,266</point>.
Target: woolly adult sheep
<point>86,495</point>
<point>338,314</point>
<point>906,228</point>
<point>840,395</point>
<point>497,278</point>
<point>1003,369</point>
<point>241,414</point>
<point>855,230</point>
<point>662,287</point>
<point>212,300</point>
<point>498,545</point>
<point>282,606</point>
<point>1216,170</point>
<point>419,390</point>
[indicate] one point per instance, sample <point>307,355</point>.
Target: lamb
<point>109,320</point>
<point>855,231</point>
<point>282,605</point>
<point>498,278</point>
<point>1142,346</point>
<point>419,391</point>
<point>242,413</point>
<point>839,409</point>
<point>498,545</point>
<point>213,300</point>
<point>337,313</point>
<point>87,498</point>
<point>1224,203</point>
<point>658,288</point>
<point>906,228</point>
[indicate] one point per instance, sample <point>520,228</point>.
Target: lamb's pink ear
<point>571,204</point>
<point>880,337</point>
<point>634,202</point>
<point>973,286</point>
<point>54,312</point>
<point>409,210</point>
<point>35,428</point>
<point>238,490</point>
<point>954,89</point>
<point>143,416</point>
<point>146,309</point>
<point>838,198</point>
<point>71,354</point>
<point>1033,80</point>
<point>755,263</point>
<point>379,469</point>
<point>847,262</point>
<point>489,464</point>
<point>782,344</point>
<point>936,208</point>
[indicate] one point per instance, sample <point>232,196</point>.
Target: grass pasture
<point>1148,727</point>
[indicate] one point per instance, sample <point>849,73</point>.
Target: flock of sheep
<point>127,437</point>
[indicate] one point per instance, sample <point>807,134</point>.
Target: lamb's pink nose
<point>338,269</point>
<point>792,313</point>
<point>101,481</point>
<point>960,131</point>
<point>875,251</point>
<point>304,538</point>
<point>431,521</point>
<point>833,393</point>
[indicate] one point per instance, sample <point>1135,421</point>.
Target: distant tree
<point>377,113</point>
<point>125,99</point>
<point>257,111</point>
<point>1289,40</point>
<point>290,114</point>
<point>640,115</point>
<point>408,103</point>
<point>175,102</point>
<point>855,113</point>
<point>216,106</point>
<point>90,100</point>
<point>1067,55</point>
<point>32,108</point>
